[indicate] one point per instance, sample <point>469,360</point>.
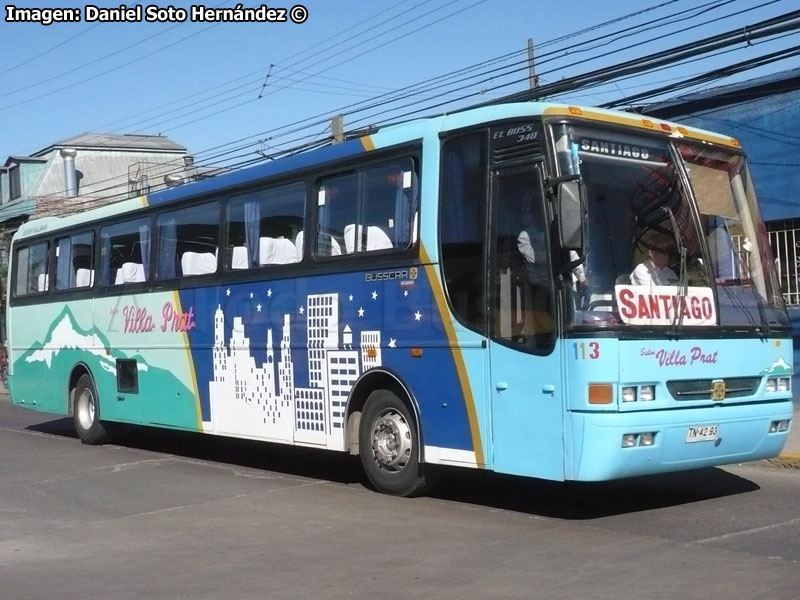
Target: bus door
<point>524,360</point>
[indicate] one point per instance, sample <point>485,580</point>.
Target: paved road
<point>165,515</point>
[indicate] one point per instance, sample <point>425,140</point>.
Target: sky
<point>227,90</point>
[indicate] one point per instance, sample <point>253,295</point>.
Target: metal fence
<point>784,237</point>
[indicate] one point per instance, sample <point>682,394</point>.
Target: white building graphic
<point>256,402</point>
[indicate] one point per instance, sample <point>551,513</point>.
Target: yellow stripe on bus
<point>366,141</point>
<point>461,369</point>
<point>638,122</point>
<point>190,363</point>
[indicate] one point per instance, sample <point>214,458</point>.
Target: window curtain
<point>168,248</point>
<point>252,230</point>
<point>324,224</point>
<point>456,229</point>
<point>144,245</point>
<point>65,273</point>
<point>405,207</point>
<point>105,259</point>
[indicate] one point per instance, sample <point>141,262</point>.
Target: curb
<point>785,460</point>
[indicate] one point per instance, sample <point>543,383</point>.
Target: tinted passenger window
<point>188,241</point>
<point>75,261</point>
<point>265,227</point>
<point>462,219</point>
<point>337,200</point>
<point>376,208</point>
<point>32,277</point>
<point>125,252</point>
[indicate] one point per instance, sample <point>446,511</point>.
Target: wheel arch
<point>377,379</point>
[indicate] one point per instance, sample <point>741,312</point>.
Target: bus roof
<point>383,137</point>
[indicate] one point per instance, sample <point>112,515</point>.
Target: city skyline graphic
<point>266,401</point>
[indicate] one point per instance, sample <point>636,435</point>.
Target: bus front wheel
<point>388,446</point>
<point>86,412</point>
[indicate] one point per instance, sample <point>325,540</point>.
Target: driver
<point>654,270</point>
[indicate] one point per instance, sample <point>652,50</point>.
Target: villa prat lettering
<point>139,320</point>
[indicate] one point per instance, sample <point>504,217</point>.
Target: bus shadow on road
<point>279,458</point>
<point>580,500</point>
<point>564,500</point>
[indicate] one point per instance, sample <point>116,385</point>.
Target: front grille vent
<point>700,389</point>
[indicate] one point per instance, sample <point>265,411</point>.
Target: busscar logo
<point>390,275</point>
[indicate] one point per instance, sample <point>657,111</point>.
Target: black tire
<point>86,413</point>
<point>388,446</point>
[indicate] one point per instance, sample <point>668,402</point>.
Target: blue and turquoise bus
<point>534,289</point>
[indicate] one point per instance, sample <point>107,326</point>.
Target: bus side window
<point>125,252</point>
<point>390,205</point>
<point>75,261</point>
<point>264,227</point>
<point>31,269</point>
<point>188,241</point>
<point>462,219</point>
<point>376,208</point>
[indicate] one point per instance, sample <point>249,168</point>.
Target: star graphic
<point>374,295</point>
<point>360,312</point>
<point>269,293</point>
<point>392,343</point>
<point>302,310</point>
<point>405,293</point>
<point>258,307</point>
<point>417,316</point>
<point>228,291</point>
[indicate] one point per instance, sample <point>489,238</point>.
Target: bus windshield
<point>652,258</point>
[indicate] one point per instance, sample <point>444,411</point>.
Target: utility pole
<point>337,129</point>
<point>533,80</point>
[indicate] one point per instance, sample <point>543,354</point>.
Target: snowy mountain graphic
<point>66,344</point>
<point>779,367</point>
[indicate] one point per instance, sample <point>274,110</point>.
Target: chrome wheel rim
<point>391,440</point>
<point>85,409</point>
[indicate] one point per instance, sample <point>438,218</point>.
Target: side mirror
<point>571,210</point>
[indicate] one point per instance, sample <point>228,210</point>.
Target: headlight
<point>629,394</point>
<point>647,393</point>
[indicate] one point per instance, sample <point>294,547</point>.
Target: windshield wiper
<point>683,279</point>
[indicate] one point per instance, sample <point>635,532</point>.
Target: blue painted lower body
<point>599,455</point>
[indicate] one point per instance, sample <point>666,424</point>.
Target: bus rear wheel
<point>86,413</point>
<point>388,446</point>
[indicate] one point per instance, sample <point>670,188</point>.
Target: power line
<point>361,109</point>
<point>49,50</point>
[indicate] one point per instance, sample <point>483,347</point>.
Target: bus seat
<point>240,258</point>
<point>322,238</point>
<point>198,263</point>
<point>43,283</point>
<point>129,272</point>
<point>276,251</point>
<point>298,245</point>
<point>376,238</point>
<point>601,302</point>
<point>84,277</point>
<point>336,248</point>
